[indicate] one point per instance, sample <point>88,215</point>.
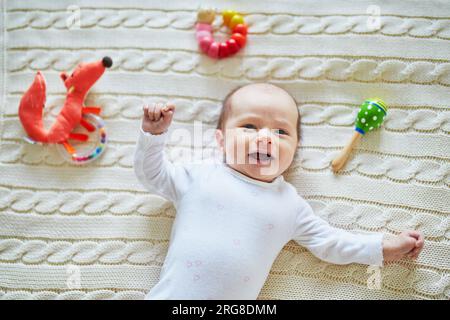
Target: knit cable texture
<point>93,232</point>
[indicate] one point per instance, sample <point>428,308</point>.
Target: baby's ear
<point>220,139</point>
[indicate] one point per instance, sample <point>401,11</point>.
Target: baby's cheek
<point>287,153</point>
<point>237,143</point>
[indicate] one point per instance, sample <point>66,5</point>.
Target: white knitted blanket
<point>93,232</point>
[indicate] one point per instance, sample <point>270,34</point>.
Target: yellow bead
<point>227,15</point>
<point>237,19</point>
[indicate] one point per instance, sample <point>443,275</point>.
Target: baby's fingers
<point>414,234</point>
<point>145,110</point>
<point>169,107</point>
<point>157,111</point>
<point>414,254</point>
<point>419,246</point>
<point>168,113</point>
<point>420,241</point>
<point>149,112</point>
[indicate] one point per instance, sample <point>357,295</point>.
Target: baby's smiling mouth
<point>261,157</point>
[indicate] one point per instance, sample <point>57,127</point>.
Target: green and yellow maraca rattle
<point>370,117</point>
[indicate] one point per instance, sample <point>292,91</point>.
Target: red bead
<point>213,51</point>
<point>240,28</point>
<point>205,43</point>
<point>239,38</point>
<point>233,47</point>
<point>223,50</point>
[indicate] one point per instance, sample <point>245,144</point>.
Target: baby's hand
<point>407,243</point>
<point>157,118</point>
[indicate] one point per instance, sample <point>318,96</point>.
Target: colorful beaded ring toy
<point>204,33</point>
<point>72,155</point>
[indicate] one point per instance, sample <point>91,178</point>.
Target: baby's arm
<point>152,168</point>
<point>343,247</point>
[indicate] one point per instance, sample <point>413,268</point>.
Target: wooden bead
<point>213,51</point>
<point>205,43</point>
<point>203,34</point>
<point>227,15</point>
<point>237,19</point>
<point>203,26</point>
<point>233,47</point>
<point>206,16</point>
<point>240,28</point>
<point>223,50</point>
<point>240,39</point>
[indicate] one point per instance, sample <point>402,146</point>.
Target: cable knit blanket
<point>93,232</point>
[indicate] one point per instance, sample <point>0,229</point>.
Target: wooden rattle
<point>370,116</point>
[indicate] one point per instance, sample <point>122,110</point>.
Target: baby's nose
<point>264,140</point>
<point>264,136</point>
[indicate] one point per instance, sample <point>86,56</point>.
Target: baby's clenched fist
<point>406,244</point>
<point>157,118</point>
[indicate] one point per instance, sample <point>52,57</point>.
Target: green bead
<point>371,115</point>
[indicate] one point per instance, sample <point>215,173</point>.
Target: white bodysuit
<point>229,228</point>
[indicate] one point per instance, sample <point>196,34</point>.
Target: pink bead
<point>213,51</point>
<point>203,27</point>
<point>203,34</point>
<point>205,43</point>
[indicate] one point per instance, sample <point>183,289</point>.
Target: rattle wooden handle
<point>341,159</point>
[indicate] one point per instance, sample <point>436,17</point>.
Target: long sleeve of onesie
<point>229,228</point>
<point>155,171</point>
<point>336,245</point>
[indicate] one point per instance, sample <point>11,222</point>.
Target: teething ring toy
<point>72,155</point>
<point>68,151</point>
<point>204,33</point>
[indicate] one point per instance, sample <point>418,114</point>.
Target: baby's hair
<point>226,108</point>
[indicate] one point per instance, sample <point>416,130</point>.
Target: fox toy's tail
<point>31,109</point>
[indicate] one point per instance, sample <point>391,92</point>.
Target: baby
<point>234,216</point>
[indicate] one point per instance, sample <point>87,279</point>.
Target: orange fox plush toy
<point>78,84</point>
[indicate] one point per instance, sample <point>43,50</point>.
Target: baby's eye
<point>249,126</point>
<point>281,131</point>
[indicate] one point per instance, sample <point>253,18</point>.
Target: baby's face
<point>260,138</point>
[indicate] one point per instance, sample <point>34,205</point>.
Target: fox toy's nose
<point>107,62</point>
